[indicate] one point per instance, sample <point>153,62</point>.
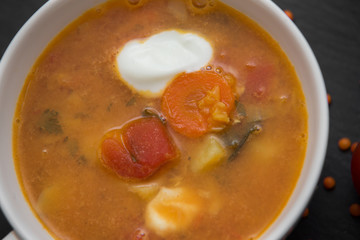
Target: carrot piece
<point>198,102</point>
<point>138,149</point>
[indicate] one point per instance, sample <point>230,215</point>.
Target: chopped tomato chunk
<point>138,149</point>
<point>259,78</point>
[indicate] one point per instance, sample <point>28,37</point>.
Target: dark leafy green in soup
<point>215,155</point>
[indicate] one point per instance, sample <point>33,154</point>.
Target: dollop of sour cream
<point>150,64</point>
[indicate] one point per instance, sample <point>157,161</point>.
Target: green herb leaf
<point>236,135</point>
<point>72,146</point>
<point>109,107</point>
<point>81,160</point>
<point>49,122</point>
<point>131,102</point>
<point>240,110</point>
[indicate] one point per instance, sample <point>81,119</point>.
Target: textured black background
<point>332,28</point>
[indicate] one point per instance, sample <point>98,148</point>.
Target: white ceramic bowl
<point>56,14</point>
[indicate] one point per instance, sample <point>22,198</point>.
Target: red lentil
<point>344,143</point>
<point>355,210</point>
<point>329,183</point>
<point>305,213</point>
<point>353,146</point>
<point>329,99</point>
<point>289,14</point>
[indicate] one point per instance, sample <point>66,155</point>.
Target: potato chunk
<point>210,153</point>
<point>172,210</point>
<point>145,191</point>
<point>56,199</point>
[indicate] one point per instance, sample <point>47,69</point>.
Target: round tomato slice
<point>195,103</point>
<point>138,149</point>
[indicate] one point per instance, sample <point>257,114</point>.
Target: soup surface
<point>216,154</point>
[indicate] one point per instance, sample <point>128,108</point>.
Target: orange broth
<point>73,96</point>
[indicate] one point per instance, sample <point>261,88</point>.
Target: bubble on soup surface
<point>218,70</point>
<point>199,3</point>
<point>140,234</point>
<point>178,10</point>
<point>134,2</point>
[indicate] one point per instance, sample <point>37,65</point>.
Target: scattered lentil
<point>329,183</point>
<point>289,14</point>
<point>329,99</point>
<point>353,146</point>
<point>355,210</point>
<point>344,143</point>
<point>305,213</point>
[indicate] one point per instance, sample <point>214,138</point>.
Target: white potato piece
<point>172,210</point>
<point>56,198</point>
<point>50,199</point>
<point>145,191</point>
<point>209,154</point>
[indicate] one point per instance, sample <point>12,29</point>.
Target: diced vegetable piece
<point>56,198</point>
<point>198,102</point>
<point>172,210</point>
<point>138,149</point>
<point>213,200</point>
<point>210,153</point>
<point>49,200</point>
<point>259,79</point>
<point>145,191</point>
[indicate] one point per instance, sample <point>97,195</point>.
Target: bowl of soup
<point>159,119</point>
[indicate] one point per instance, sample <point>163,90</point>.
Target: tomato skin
<point>148,142</point>
<point>355,168</point>
<point>116,157</point>
<point>138,149</point>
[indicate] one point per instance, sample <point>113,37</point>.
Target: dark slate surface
<point>332,28</point>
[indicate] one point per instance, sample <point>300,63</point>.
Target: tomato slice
<point>138,149</point>
<point>355,168</point>
<point>195,103</point>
